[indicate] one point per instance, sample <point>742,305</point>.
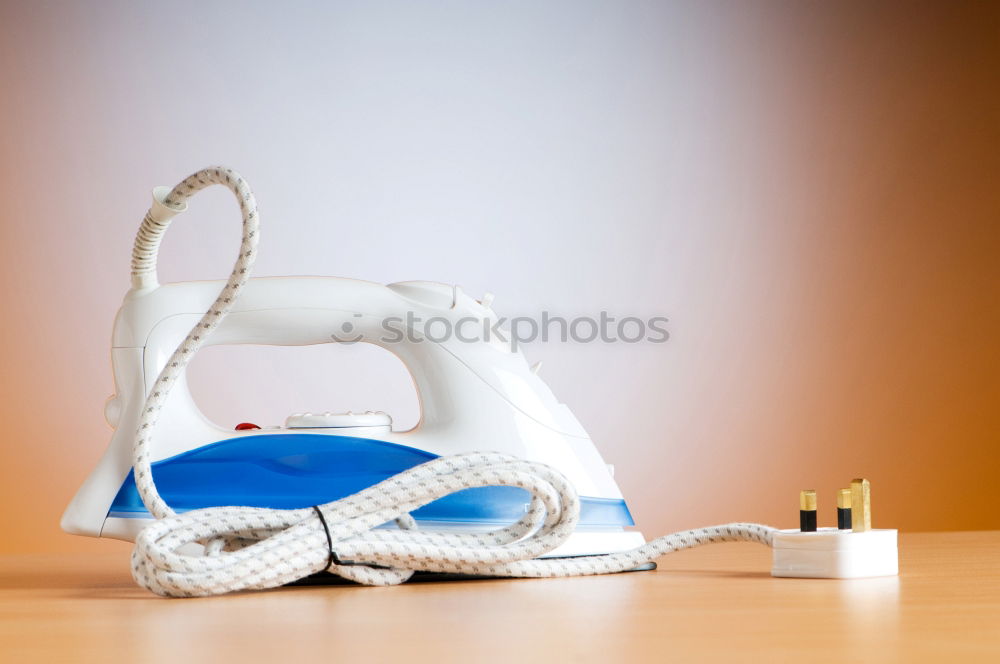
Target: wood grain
<point>716,603</point>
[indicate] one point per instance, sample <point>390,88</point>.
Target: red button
<point>245,426</point>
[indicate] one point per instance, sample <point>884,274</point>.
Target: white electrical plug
<point>851,551</point>
<point>830,553</point>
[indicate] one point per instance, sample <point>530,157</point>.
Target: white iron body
<point>479,395</point>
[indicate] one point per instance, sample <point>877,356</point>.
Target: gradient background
<point>809,190</point>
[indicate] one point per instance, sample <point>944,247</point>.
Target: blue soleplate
<point>294,470</point>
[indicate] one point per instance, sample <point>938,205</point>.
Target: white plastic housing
<point>830,553</point>
<point>478,395</point>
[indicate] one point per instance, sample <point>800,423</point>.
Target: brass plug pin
<point>844,509</point>
<point>861,505</point>
<point>807,511</point>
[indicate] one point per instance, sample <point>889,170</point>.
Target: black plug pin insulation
<point>844,509</point>
<point>807,511</point>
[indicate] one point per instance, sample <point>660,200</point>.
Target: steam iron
<point>473,395</point>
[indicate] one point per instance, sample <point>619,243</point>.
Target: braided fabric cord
<point>254,548</point>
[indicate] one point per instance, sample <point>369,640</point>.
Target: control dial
<point>346,420</point>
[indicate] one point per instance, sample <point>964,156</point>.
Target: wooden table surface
<point>715,603</point>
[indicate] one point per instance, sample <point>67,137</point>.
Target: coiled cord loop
<point>224,549</point>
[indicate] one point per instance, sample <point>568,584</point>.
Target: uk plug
<point>850,551</point>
